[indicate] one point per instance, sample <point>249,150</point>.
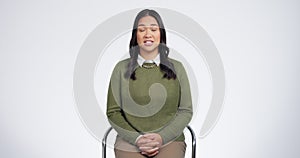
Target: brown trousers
<point>174,149</point>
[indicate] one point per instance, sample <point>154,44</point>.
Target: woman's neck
<point>149,55</point>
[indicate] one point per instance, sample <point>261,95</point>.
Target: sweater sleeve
<point>114,112</point>
<point>185,109</point>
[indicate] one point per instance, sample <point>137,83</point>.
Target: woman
<point>149,101</point>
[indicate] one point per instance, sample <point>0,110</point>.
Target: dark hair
<point>165,65</point>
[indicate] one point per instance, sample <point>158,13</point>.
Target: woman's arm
<point>185,108</point>
<point>114,111</point>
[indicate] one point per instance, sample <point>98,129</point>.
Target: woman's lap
<point>174,149</point>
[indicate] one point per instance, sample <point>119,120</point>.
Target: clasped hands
<point>149,144</point>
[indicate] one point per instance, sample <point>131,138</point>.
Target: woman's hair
<point>165,65</point>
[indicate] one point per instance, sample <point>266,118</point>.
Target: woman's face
<point>148,34</point>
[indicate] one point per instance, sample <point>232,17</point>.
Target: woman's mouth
<point>148,43</point>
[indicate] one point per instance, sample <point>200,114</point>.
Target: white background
<point>258,42</point>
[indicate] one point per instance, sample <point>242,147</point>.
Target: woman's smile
<point>148,42</point>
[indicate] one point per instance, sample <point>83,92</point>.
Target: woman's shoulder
<point>177,64</point>
<point>179,67</point>
<point>122,64</point>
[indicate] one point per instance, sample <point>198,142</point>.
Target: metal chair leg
<point>193,141</point>
<point>104,140</point>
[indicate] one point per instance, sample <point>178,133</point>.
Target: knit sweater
<point>149,104</point>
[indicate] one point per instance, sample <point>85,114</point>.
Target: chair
<point>104,140</point>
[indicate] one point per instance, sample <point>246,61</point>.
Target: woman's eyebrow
<point>150,25</point>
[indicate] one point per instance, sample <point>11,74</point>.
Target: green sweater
<point>149,104</point>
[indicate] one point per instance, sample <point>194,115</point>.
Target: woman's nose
<point>148,34</point>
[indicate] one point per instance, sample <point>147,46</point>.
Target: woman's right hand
<point>149,144</point>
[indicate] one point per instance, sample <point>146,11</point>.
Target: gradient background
<point>258,42</point>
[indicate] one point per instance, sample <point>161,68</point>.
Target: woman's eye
<point>141,30</point>
<point>153,28</point>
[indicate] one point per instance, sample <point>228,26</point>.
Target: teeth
<point>148,42</point>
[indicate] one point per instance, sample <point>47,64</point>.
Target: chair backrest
<point>104,140</point>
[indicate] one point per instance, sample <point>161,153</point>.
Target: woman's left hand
<point>149,144</point>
